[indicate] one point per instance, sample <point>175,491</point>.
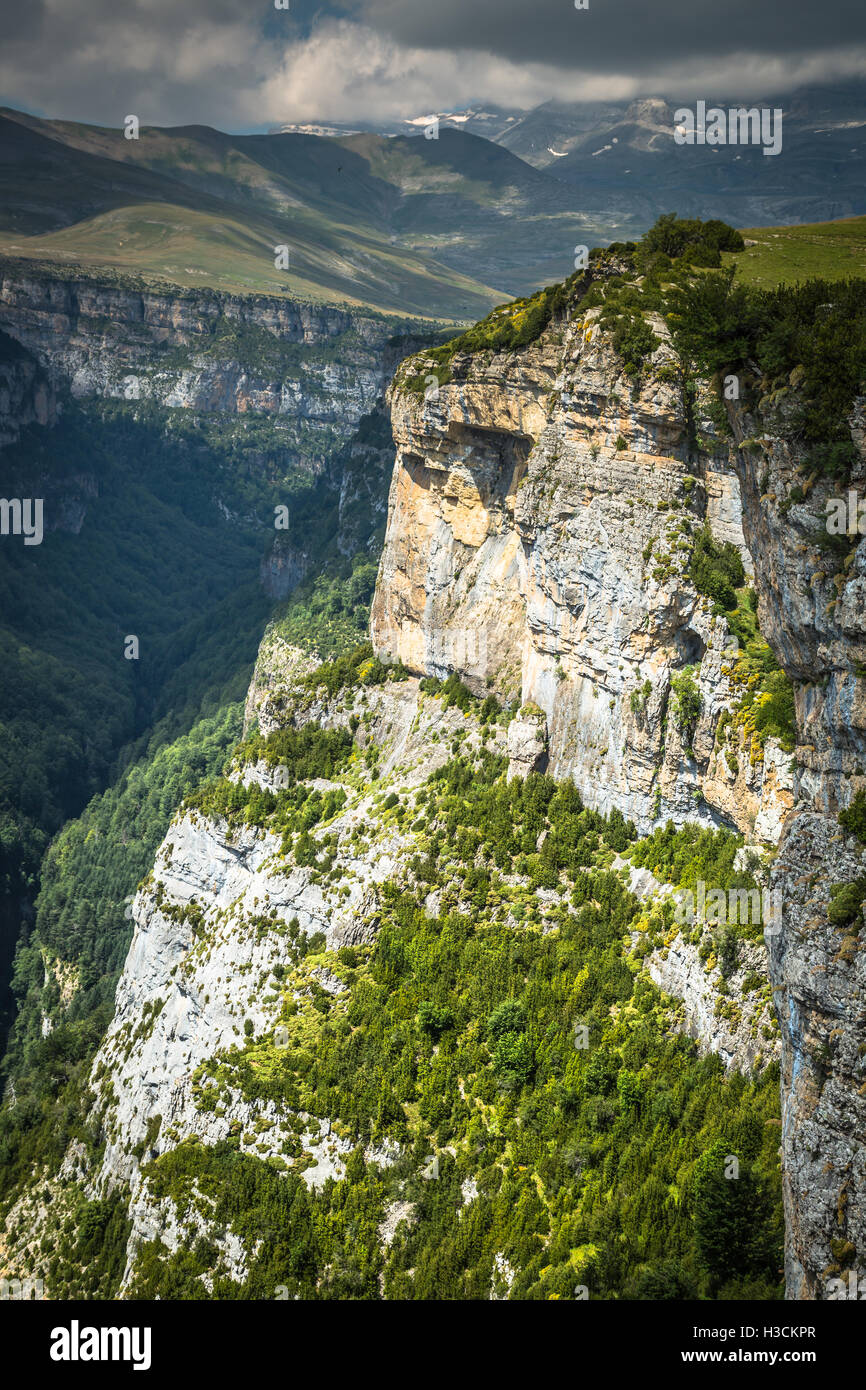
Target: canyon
<point>540,523</point>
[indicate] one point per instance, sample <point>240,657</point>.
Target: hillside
<point>621,158</point>
<point>439,228</point>
<point>786,255</point>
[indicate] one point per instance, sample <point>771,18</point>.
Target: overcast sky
<point>244,65</point>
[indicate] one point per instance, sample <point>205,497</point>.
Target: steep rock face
<point>735,1025</point>
<point>819,976</point>
<point>199,963</point>
<point>217,926</point>
<point>318,368</point>
<point>282,569</point>
<point>811,608</point>
<point>28,398</point>
<point>531,548</point>
<point>26,395</point>
<point>537,544</point>
<point>729,1015</point>
<point>527,742</point>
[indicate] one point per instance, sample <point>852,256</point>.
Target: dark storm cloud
<point>243,64</point>
<point>22,21</point>
<point>619,35</point>
<point>170,60</point>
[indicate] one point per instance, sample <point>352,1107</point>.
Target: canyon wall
<point>317,370</point>
<point>280,387</point>
<point>542,514</point>
<point>538,544</point>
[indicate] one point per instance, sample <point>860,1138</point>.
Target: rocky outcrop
<point>217,927</point>
<point>818,971</point>
<point>280,667</point>
<point>26,395</point>
<point>209,930</point>
<point>527,743</point>
<point>538,522</point>
<point>537,543</point>
<point>727,1012</point>
<point>811,606</point>
<point>729,1017</point>
<point>282,569</point>
<point>811,609</point>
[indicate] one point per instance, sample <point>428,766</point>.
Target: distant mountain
<point>633,163</point>
<point>547,133</point>
<point>490,122</point>
<point>622,158</point>
<point>436,227</point>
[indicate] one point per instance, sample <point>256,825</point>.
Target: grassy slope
<point>191,248</point>
<point>443,228</point>
<point>198,210</point>
<point>784,255</point>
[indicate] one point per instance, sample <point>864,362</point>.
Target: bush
<point>686,701</point>
<point>508,1018</point>
<point>699,242</point>
<point>435,1019</point>
<point>846,902</point>
<point>774,709</point>
<point>508,327</point>
<point>818,328</point>
<point>716,570</point>
<point>634,341</point>
<point>853,819</point>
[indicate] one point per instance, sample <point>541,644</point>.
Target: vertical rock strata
<point>812,611</point>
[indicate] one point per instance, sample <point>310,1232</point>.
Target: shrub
<point>634,341</point>
<point>435,1019</point>
<point>846,902</point>
<point>853,819</point>
<point>716,570</point>
<point>686,700</point>
<point>700,242</point>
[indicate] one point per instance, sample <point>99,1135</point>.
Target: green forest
<point>99,751</point>
<point>599,1162</point>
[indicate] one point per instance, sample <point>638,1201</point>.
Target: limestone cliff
<point>543,511</point>
<point>227,928</point>
<point>283,382</point>
<point>538,540</point>
<point>216,929</point>
<point>811,608</point>
<point>26,396</point>
<point>317,369</point>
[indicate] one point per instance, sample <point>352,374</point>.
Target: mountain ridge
<point>369,220</point>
